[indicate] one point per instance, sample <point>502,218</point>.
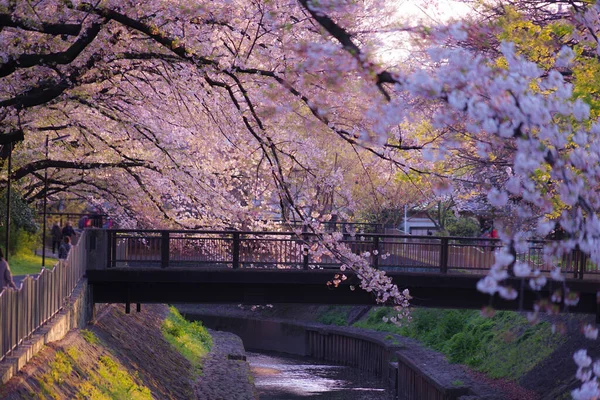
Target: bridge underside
<point>247,286</point>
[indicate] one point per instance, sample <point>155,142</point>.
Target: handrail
<point>277,233</point>
<point>266,249</point>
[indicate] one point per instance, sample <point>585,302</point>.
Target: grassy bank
<point>28,264</point>
<point>107,380</point>
<point>190,338</point>
<point>121,356</point>
<point>504,346</point>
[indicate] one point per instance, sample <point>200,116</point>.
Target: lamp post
<point>7,238</point>
<point>7,141</point>
<point>46,196</point>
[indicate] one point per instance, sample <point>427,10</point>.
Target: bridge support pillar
<point>128,301</point>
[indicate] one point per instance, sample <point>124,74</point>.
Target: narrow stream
<point>285,377</point>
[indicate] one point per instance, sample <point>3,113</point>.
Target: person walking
<point>68,230</point>
<point>5,275</point>
<point>56,233</point>
<point>65,247</point>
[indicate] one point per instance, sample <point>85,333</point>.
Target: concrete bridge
<point>136,267</point>
<point>150,266</point>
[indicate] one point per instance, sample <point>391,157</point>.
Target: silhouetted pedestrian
<point>56,233</point>
<point>83,221</point>
<point>108,224</point>
<point>5,275</point>
<point>63,250</point>
<point>68,230</point>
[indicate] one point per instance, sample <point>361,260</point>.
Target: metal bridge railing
<point>284,250</point>
<point>38,299</point>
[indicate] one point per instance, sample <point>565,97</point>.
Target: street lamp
<point>46,196</point>
<point>8,141</point>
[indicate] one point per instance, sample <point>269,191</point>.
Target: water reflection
<point>283,377</point>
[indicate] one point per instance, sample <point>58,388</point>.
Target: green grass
<point>334,315</point>
<point>504,346</point>
<point>114,383</point>
<point>107,381</point>
<point>89,336</point>
<point>28,264</point>
<point>191,339</point>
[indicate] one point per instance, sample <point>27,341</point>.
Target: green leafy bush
<point>504,346</point>
<point>334,316</point>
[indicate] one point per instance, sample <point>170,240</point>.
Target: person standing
<point>5,275</point>
<point>56,233</point>
<point>493,235</point>
<point>63,250</point>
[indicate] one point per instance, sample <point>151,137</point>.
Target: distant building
<point>419,224</point>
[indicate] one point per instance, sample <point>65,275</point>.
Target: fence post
<point>444,256</point>
<point>376,251</point>
<point>164,249</point>
<point>236,250</point>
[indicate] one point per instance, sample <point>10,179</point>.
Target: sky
<point>413,13</point>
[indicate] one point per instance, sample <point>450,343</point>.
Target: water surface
<point>284,377</point>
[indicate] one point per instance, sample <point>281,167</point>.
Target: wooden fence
<point>38,298</point>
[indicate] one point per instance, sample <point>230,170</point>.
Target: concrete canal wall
<point>405,370</point>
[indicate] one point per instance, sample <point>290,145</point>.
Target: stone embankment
<point>226,374</point>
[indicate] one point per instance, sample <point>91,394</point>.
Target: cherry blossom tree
<point>222,114</point>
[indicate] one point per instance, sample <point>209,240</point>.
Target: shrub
<point>505,345</point>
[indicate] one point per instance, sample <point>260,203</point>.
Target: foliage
<point>224,113</point>
<point>113,382</point>
<point>109,380</point>
<point>333,316</point>
<point>462,226</point>
<point>29,264</point>
<point>504,346</point>
<point>24,243</point>
<point>22,216</point>
<point>189,338</point>
<point>60,367</point>
<point>89,336</point>
<point>22,224</point>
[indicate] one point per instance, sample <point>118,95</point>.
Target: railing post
<point>305,251</point>
<point>236,250</point>
<point>581,261</point>
<point>444,256</point>
<point>164,249</point>
<point>376,251</point>
<point>109,245</point>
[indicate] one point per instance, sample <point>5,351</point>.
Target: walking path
<point>225,374</point>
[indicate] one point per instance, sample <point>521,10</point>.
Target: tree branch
<point>43,164</point>
<point>42,27</point>
<point>60,58</point>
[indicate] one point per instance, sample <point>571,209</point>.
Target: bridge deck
<point>263,286</point>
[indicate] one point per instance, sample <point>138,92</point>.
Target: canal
<point>285,377</point>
